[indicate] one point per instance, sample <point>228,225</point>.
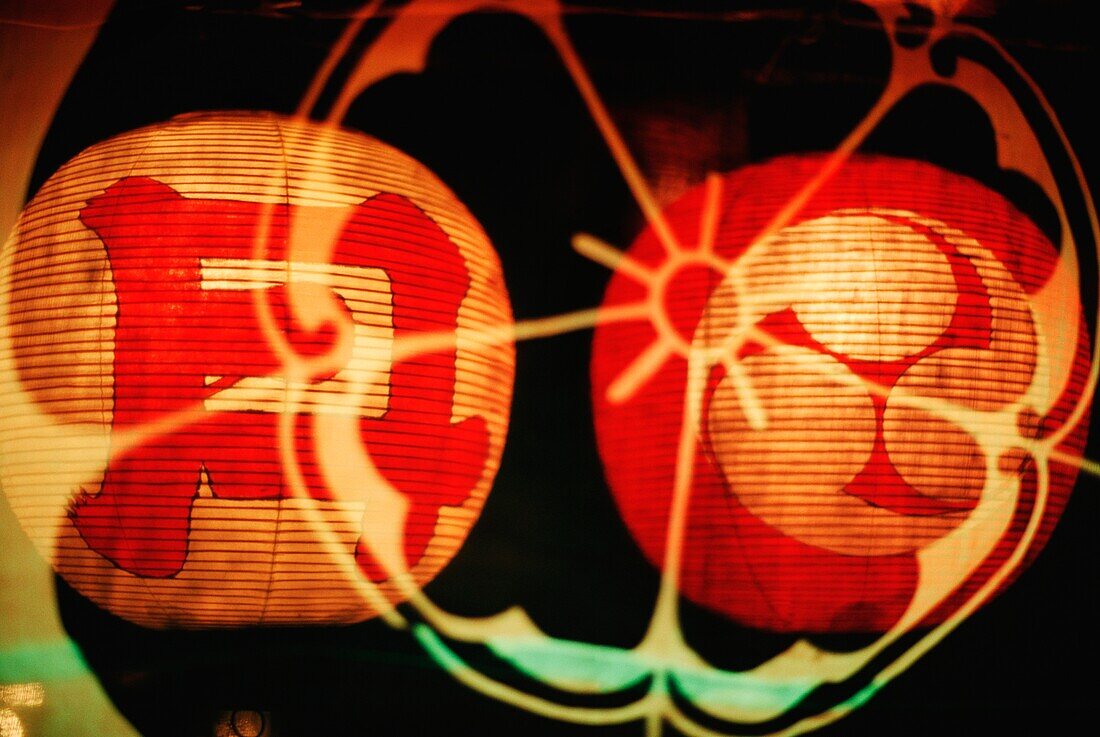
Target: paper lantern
<point>870,377</point>
<point>205,422</point>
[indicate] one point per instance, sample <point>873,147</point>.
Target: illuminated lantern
<point>870,375</point>
<point>215,409</point>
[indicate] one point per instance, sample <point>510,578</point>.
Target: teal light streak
<point>437,649</point>
<point>576,666</point>
<point>742,691</point>
<point>583,667</point>
<point>48,661</point>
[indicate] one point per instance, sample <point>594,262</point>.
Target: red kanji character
<point>179,344</point>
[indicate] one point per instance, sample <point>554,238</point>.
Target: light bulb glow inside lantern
<point>870,376</point>
<point>219,414</point>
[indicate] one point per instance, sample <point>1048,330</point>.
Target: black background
<point>496,117</point>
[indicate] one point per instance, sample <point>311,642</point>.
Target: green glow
<point>862,696</point>
<point>575,665</point>
<point>41,661</point>
<point>34,650</point>
<point>437,648</point>
<point>743,691</point>
<point>591,668</point>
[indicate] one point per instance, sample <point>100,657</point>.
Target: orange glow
<point>873,374</point>
<point>832,393</point>
<point>185,295</point>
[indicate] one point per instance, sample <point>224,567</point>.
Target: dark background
<point>496,117</point>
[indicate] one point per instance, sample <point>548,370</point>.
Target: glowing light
<point>22,694</point>
<point>15,695</point>
<point>403,47</point>
<point>170,319</point>
<point>776,686</point>
<point>243,723</point>
<point>856,369</point>
<point>10,724</point>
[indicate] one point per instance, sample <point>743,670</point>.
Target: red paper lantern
<point>894,362</point>
<point>202,319</point>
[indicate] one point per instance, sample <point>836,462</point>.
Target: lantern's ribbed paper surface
<point>201,322</point>
<point>871,372</point>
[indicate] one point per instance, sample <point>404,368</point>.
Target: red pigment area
<point>685,295</point>
<point>171,333</point>
<point>732,562</point>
